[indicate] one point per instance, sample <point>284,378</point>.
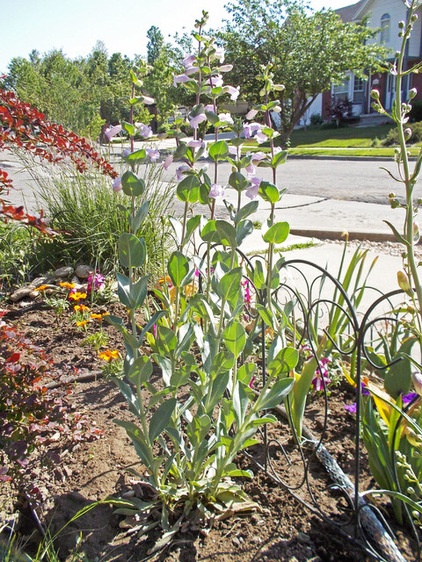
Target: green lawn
<point>343,141</point>
<point>342,137</point>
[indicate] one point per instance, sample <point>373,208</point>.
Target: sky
<point>75,26</point>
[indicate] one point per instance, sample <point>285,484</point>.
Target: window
<point>341,91</point>
<point>358,90</point>
<point>385,28</point>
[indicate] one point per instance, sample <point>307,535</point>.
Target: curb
<point>340,235</point>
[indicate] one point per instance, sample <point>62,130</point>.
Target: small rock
<point>20,293</point>
<point>40,281</point>
<point>83,271</point>
<point>64,272</point>
<point>236,541</point>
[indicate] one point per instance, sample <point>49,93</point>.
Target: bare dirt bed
<point>89,470</point>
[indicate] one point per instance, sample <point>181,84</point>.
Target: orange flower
<point>76,296</point>
<point>81,308</point>
<point>42,288</point>
<point>66,285</point>
<point>95,316</point>
<point>82,323</point>
<point>109,354</point>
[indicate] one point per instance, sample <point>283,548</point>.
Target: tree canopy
<point>309,51</point>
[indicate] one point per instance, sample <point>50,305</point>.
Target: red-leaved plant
<point>23,126</point>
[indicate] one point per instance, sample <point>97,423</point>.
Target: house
<point>384,15</point>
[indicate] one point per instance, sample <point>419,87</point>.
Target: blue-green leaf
<point>161,418</point>
<point>132,250</point>
<point>277,233</point>
<point>132,185</point>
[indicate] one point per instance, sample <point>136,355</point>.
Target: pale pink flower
<point>233,150</point>
<point>148,100</point>
<point>126,152</point>
<point>253,188</point>
<point>188,61</point>
<point>251,169</point>
<point>209,107</point>
<point>196,143</point>
<point>232,91</point>
<point>179,79</point>
<point>145,131</point>
<point>195,121</point>
<point>153,154</point>
<point>251,114</point>
<point>168,161</point>
<point>226,68</point>
<point>225,118</point>
<point>417,382</point>
<point>261,137</point>
<point>217,191</point>
<point>191,70</point>
<point>216,81</point>
<point>258,156</point>
<point>250,128</point>
<point>219,53</point>
<point>113,131</point>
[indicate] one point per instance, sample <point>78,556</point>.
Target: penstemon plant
<point>192,395</point>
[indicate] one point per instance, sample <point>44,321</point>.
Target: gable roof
<point>350,13</point>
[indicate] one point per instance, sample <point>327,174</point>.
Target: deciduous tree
<point>309,51</point>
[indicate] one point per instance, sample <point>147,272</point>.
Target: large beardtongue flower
<point>194,122</point>
<point>113,131</point>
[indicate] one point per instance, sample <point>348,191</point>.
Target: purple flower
<point>180,78</point>
<point>153,153</point>
<point>250,128</point>
<point>180,171</point>
<point>195,121</point>
<point>126,152</point>
<point>351,407</point>
<point>253,188</point>
<point>233,150</point>
<point>217,191</point>
<point>113,131</point>
<point>144,130</point>
<point>407,398</point>
<point>251,169</point>
<point>117,184</point>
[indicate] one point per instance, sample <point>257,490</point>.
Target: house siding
<point>374,10</point>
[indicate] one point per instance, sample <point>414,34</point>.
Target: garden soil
<point>86,470</point>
